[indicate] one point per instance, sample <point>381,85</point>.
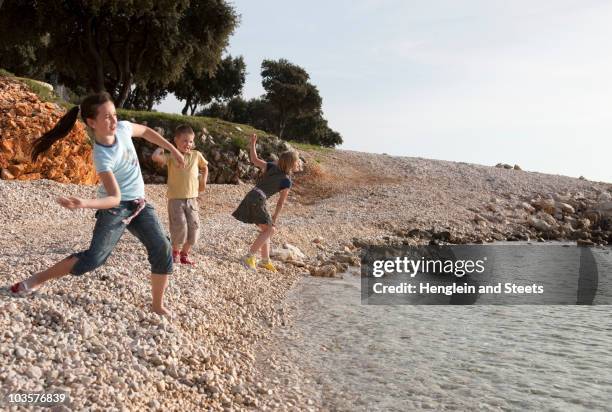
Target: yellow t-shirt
<point>183,183</point>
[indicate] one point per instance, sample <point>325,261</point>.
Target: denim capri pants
<point>110,227</point>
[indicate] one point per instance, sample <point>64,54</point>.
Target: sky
<point>477,81</point>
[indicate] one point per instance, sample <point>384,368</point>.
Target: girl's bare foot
<point>23,288</point>
<point>162,311</point>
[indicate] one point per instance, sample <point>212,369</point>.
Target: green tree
<point>289,92</point>
<point>114,44</point>
<point>291,108</point>
<point>259,113</point>
<point>255,112</point>
<point>22,51</point>
<point>26,60</point>
<point>145,96</point>
<point>313,129</point>
<point>199,89</point>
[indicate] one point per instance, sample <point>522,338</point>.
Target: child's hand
<point>158,156</point>
<point>71,202</point>
<point>253,139</point>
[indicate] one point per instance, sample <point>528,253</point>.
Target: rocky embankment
<point>569,216</point>
<point>23,118</point>
<point>585,217</point>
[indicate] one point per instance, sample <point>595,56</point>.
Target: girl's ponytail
<point>88,109</point>
<point>61,129</point>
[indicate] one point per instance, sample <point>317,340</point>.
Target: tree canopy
<point>224,83</point>
<point>113,45</point>
<point>140,50</point>
<point>289,92</point>
<point>291,107</point>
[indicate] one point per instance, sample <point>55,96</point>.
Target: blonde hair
<point>183,129</point>
<point>287,160</point>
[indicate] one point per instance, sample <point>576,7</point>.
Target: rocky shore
<point>94,337</point>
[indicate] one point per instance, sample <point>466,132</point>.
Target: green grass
<point>41,91</point>
<point>310,147</point>
<point>237,135</point>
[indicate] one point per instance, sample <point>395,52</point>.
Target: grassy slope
<point>238,133</point>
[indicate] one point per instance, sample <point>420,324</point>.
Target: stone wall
<point>228,161</point>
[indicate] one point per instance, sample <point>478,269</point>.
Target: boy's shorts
<point>184,221</point>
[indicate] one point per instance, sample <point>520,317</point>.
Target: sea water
<point>456,357</point>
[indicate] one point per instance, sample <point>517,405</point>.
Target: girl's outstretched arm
<point>279,204</point>
<point>152,136</point>
<point>112,200</point>
<point>253,154</point>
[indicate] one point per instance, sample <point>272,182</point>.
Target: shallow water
<point>416,357</point>
<point>555,273</point>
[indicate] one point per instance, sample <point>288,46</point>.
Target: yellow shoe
<point>269,266</point>
<point>249,262</point>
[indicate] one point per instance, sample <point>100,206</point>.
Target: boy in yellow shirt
<point>183,189</point>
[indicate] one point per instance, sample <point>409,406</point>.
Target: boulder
<point>6,175</point>
<point>584,223</point>
<point>346,258</point>
<point>565,208</point>
<point>571,221</point>
<point>326,271</point>
<point>547,205</point>
<point>289,253</point>
<point>539,224</point>
<point>297,252</point>
<point>547,218</point>
<point>526,206</point>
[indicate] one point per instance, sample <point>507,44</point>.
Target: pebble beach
<point>94,337</point>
